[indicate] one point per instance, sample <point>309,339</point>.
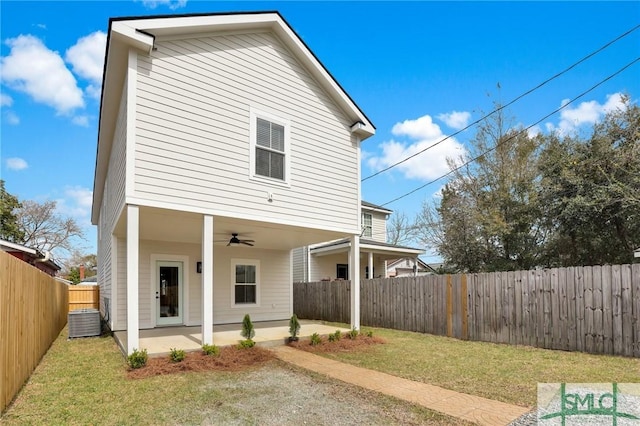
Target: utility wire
<point>503,106</point>
<point>514,135</point>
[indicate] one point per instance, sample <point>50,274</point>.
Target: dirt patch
<point>345,344</point>
<point>231,358</point>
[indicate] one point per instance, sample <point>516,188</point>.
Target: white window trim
<point>254,114</point>
<point>252,262</point>
<point>365,226</point>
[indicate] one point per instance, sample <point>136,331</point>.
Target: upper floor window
<point>269,147</point>
<point>366,225</point>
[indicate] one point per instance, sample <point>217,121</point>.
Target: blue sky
<point>419,70</point>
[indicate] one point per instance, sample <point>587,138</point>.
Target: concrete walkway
<point>475,409</point>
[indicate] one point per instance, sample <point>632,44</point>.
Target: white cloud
<point>5,100</point>
<point>420,128</point>
<point>12,118</point>
<point>171,4</point>
<point>534,131</point>
<point>425,166</point>
<point>81,120</point>
<point>76,203</point>
<point>456,120</point>
<point>41,73</point>
<point>87,57</point>
<point>571,119</point>
<point>16,163</point>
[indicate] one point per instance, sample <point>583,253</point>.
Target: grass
<point>84,381</point>
<point>501,372</point>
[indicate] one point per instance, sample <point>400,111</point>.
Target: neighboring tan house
<point>329,260</point>
<point>223,144</point>
<point>408,267</point>
<point>31,256</point>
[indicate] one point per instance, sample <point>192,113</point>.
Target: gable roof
<point>140,32</point>
<point>370,206</point>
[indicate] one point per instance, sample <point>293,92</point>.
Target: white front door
<point>169,288</point>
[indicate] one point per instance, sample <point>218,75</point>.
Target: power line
<point>504,106</point>
<point>514,135</point>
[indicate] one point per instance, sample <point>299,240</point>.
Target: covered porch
<point>160,341</point>
<point>333,260</point>
<point>177,270</point>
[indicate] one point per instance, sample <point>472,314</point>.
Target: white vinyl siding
<point>274,283</point>
<point>193,149</point>
<point>112,204</point>
<point>378,227</point>
<point>299,259</point>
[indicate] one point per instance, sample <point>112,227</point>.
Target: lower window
<point>342,271</point>
<point>245,281</point>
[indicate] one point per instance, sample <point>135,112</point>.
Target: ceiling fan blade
<point>229,243</point>
<point>246,243</point>
<point>249,241</point>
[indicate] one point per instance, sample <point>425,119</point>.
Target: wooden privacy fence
<point>592,309</point>
<point>33,311</point>
<point>84,297</point>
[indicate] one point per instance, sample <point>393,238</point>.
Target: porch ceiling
<point>185,227</point>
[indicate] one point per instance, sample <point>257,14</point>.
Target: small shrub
<point>176,355</point>
<point>211,350</point>
<point>138,359</point>
<point>369,333</point>
<point>332,337</point>
<point>247,328</point>
<point>294,327</point>
<point>246,344</point>
<point>353,334</point>
<point>337,335</point>
<point>315,339</point>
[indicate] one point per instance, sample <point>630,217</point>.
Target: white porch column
<point>207,280</point>
<point>354,276</point>
<point>133,258</point>
<point>386,270</point>
<point>371,265</point>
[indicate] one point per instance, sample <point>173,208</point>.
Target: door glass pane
<point>169,291</point>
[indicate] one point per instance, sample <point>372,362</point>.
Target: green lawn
<point>84,381</point>
<point>501,372</point>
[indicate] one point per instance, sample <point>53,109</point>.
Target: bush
<point>336,336</point>
<point>211,350</point>
<point>369,333</point>
<point>176,355</point>
<point>294,327</point>
<point>353,334</point>
<point>138,359</point>
<point>246,344</point>
<point>315,339</point>
<point>247,328</point>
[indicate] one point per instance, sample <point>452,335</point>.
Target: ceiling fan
<point>237,241</point>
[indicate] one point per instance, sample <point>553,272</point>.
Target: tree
<point>487,218</point>
<point>9,227</point>
<point>590,192</point>
<point>399,229</point>
<point>47,230</point>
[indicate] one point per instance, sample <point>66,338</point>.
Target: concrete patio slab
<point>160,341</point>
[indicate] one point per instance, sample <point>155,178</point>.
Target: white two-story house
<point>222,140</point>
<point>330,260</point>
